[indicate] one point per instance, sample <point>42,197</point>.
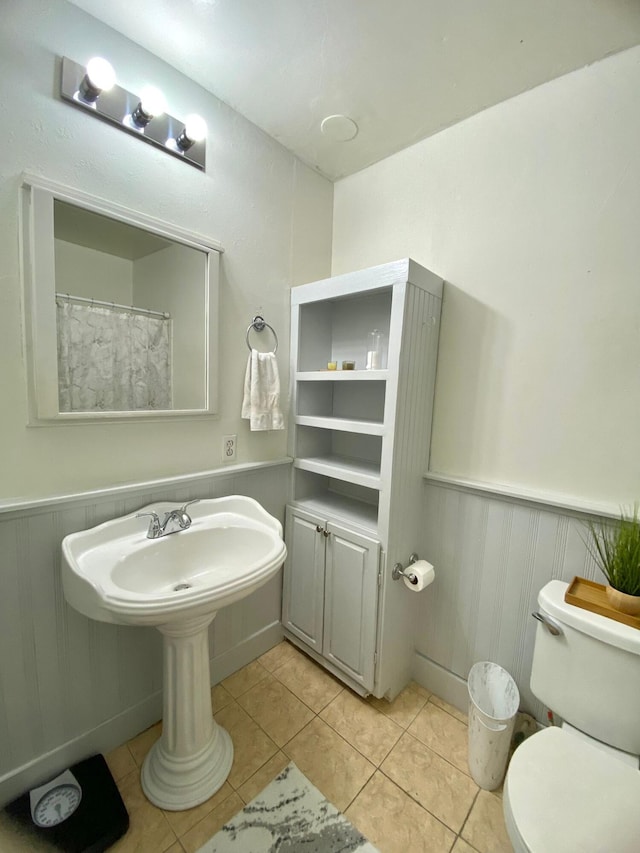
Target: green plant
<point>615,546</point>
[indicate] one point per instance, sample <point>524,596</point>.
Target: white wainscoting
<point>70,686</point>
<point>492,554</point>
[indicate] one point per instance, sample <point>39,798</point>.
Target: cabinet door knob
<point>326,533</point>
<point>319,529</point>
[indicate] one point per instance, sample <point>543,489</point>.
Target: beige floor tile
<point>175,848</point>
<point>244,679</point>
<point>485,829</point>
<point>278,655</point>
<point>120,762</point>
<point>437,785</point>
<point>443,734</point>
<point>276,709</point>
<point>251,746</point>
<point>362,726</point>
<point>208,826</point>
<point>395,823</point>
<point>253,786</point>
<point>182,821</point>
<point>450,709</point>
<point>405,707</point>
<point>140,745</point>
<point>220,697</point>
<point>310,683</point>
<point>461,846</point>
<point>329,762</point>
<point>149,830</point>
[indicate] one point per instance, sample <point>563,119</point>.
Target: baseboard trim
<point>129,723</point>
<point>445,684</point>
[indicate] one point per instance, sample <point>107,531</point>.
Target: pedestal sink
<point>177,583</point>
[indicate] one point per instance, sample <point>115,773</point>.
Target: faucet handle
<point>154,525</point>
<point>183,508</point>
<point>154,515</point>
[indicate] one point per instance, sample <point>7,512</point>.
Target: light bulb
<point>151,104</point>
<point>99,77</point>
<point>101,74</point>
<point>152,101</point>
<point>195,130</point>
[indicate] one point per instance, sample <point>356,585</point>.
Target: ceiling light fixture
<point>94,89</point>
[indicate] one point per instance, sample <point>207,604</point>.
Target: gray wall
<point>492,555</point>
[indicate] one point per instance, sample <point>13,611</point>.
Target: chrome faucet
<point>174,521</point>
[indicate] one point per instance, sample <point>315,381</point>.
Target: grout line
<point>465,821</point>
<point>418,803</point>
<point>352,745</point>
<point>450,763</point>
<point>352,801</point>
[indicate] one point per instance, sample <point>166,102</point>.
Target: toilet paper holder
<point>400,571</point>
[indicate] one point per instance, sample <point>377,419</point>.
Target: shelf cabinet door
<point>351,603</point>
<point>303,587</point>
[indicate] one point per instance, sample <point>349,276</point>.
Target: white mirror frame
<point>40,327</point>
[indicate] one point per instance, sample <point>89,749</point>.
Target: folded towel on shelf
<point>261,404</point>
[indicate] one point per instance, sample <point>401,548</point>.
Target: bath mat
<point>289,816</point>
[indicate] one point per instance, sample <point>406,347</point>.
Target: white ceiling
<point>401,69</point>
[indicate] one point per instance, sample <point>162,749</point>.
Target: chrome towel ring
<point>258,323</point>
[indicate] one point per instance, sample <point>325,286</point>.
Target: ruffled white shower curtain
<point>111,360</point>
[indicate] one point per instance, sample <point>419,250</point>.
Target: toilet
<point>576,788</point>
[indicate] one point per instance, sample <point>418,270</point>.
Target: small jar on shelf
<point>375,350</point>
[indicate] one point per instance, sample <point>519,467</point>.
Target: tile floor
<point>397,770</point>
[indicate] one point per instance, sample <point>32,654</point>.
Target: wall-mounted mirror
<point>121,311</point>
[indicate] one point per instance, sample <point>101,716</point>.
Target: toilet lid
<point>565,795</point>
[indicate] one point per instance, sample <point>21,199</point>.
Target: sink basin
<point>177,583</point>
<point>113,573</point>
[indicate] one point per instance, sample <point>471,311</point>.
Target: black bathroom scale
<point>80,811</point>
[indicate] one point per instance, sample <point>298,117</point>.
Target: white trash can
<point>493,705</point>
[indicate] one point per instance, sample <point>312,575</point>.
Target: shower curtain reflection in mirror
<point>112,359</point>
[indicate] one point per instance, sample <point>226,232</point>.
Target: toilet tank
<point>590,673</point>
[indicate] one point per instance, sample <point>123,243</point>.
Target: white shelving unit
<point>360,442</point>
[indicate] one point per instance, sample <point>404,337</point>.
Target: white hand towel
<point>261,404</point>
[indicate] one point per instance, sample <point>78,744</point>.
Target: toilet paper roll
<point>422,574</point>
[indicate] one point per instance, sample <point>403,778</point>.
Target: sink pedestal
<point>193,757</point>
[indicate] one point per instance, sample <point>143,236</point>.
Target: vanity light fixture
<point>94,88</point>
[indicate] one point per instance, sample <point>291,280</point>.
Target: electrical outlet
<point>229,443</point>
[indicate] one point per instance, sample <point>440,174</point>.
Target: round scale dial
<point>55,801</point>
<point>57,805</point>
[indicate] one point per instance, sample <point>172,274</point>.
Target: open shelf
<point>337,330</point>
<point>357,404</point>
<point>343,507</point>
<point>358,471</point>
<point>341,375</point>
<point>342,424</point>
